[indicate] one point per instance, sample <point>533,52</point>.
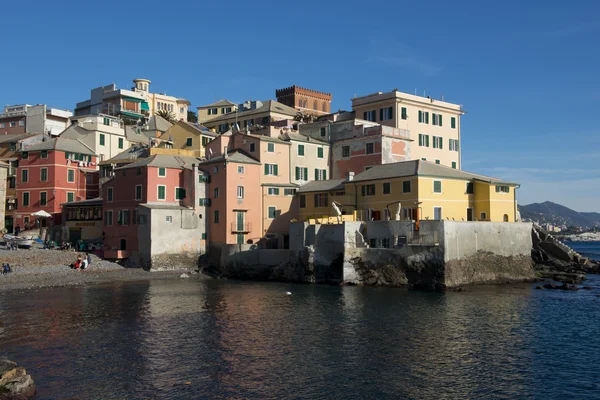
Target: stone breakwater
<point>15,384</point>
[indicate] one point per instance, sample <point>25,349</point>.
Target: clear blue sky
<point>526,72</point>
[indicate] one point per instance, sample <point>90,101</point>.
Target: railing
<point>241,228</point>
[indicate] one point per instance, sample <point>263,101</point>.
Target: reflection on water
<point>251,340</point>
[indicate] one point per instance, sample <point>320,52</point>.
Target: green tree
<point>168,115</point>
<point>192,117</point>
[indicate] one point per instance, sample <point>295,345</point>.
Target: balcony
<point>241,227</point>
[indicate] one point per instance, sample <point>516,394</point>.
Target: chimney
<point>350,176</point>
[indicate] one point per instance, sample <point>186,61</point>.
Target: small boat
<point>19,241</point>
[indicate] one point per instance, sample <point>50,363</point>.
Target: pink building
<point>155,207</point>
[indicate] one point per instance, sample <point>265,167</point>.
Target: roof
<point>421,168</point>
<point>200,128</point>
<point>303,138</point>
<point>158,123</point>
<point>133,153</point>
<point>268,106</point>
<point>164,161</point>
<point>143,136</point>
<point>164,207</point>
<point>233,156</point>
<point>322,186</point>
<point>13,138</point>
<point>61,144</point>
<point>90,202</point>
<point>219,104</point>
<point>284,185</point>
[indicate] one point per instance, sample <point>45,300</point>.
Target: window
<point>436,119</point>
<point>134,218</point>
<point>369,116</point>
<point>454,164</point>
<point>469,188</point>
<point>138,171</point>
<point>13,146</point>
<point>44,154</point>
<point>13,124</point>
<point>369,148</point>
<point>386,113</point>
<point>109,194</point>
<point>301,150</point>
<point>320,174</point>
<point>404,115</point>
<point>25,199</point>
<point>437,186</point>
<point>216,193</point>
<point>228,109</point>
<point>169,219</point>
<point>271,169</point>
<point>44,174</point>
<point>71,175</point>
<point>216,216</point>
<point>321,200</point>
<point>22,122</point>
<point>323,132</point>
<point>272,212</point>
<point>437,161</point>
<point>273,191</point>
<point>240,169</point>
<point>289,192</point>
<point>301,174</point>
<point>502,189</point>
<point>252,147</point>
<point>180,110</point>
<point>162,172</point>
<point>437,212</point>
<point>102,139</point>
<point>162,192</point>
<point>2,124</point>
<point>25,155</point>
<point>240,192</point>
<point>345,151</point>
<point>179,193</point>
<point>302,201</point>
<point>424,117</point>
<point>188,142</point>
<point>24,175</point>
<point>138,192</point>
<point>120,143</point>
<point>70,197</point>
<point>437,142</point>
<point>223,127</point>
<point>319,152</point>
<point>406,187</point>
<point>108,217</point>
<point>215,170</point>
<point>453,122</point>
<point>214,111</point>
<point>368,190</point>
<point>387,188</point>
<point>43,199</point>
<point>271,148</point>
<point>482,216</point>
<point>423,140</point>
<point>453,144</point>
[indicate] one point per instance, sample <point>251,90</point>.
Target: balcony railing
<point>241,228</point>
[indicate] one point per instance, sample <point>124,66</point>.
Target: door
<point>437,212</point>
<point>74,235</point>
<point>286,241</point>
<point>240,221</point>
<point>8,222</point>
<point>470,214</point>
<point>240,238</point>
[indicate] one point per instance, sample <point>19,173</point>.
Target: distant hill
<point>555,214</point>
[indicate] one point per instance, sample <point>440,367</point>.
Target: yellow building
<point>422,190</point>
<point>252,113</point>
<point>434,125</point>
<point>214,110</point>
<point>187,136</point>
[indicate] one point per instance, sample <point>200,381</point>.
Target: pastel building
<point>154,212</point>
<point>103,134</point>
<point>213,110</point>
<point>433,125</point>
<point>422,190</point>
<point>51,173</point>
<point>252,113</point>
<point>187,136</point>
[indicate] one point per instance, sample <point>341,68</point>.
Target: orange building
<point>305,100</point>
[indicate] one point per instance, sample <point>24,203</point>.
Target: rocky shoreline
<point>15,384</point>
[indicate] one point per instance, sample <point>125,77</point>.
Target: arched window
<point>324,107</point>
<point>505,217</point>
<point>315,106</point>
<point>305,103</point>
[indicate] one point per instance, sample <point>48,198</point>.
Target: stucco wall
<point>3,175</point>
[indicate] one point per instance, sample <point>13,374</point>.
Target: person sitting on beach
<point>84,263</point>
<point>6,268</point>
<point>77,264</point>
<point>89,260</point>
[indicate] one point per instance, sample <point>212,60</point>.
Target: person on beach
<point>84,262</point>
<point>89,259</point>
<point>78,263</point>
<point>17,230</point>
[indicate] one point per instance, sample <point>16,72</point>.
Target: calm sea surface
<point>587,249</point>
<point>190,339</point>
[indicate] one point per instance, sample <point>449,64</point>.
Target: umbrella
<point>42,214</point>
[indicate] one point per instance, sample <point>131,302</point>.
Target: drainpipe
<point>515,201</point>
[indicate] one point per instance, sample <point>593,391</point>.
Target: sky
<point>526,72</point>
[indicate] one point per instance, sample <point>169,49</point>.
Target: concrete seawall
<point>438,254</point>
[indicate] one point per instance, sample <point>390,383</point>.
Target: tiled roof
<point>234,156</point>
<point>61,144</point>
<point>268,106</point>
<point>164,161</point>
<point>14,138</point>
<point>164,207</point>
<point>219,104</point>
<point>303,138</point>
<point>200,128</point>
<point>322,186</point>
<point>90,202</point>
<point>133,153</point>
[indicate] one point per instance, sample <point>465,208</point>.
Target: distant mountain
<point>555,214</point>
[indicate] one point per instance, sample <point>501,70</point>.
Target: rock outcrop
<point>15,384</point>
<point>555,258</point>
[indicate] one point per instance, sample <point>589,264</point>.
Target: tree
<point>192,117</point>
<point>168,115</point>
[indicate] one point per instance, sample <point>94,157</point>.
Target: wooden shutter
<point>316,174</point>
<point>420,116</point>
<point>381,114</point>
<point>297,173</point>
<point>266,169</point>
<point>276,169</point>
<point>324,174</point>
<point>305,174</point>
